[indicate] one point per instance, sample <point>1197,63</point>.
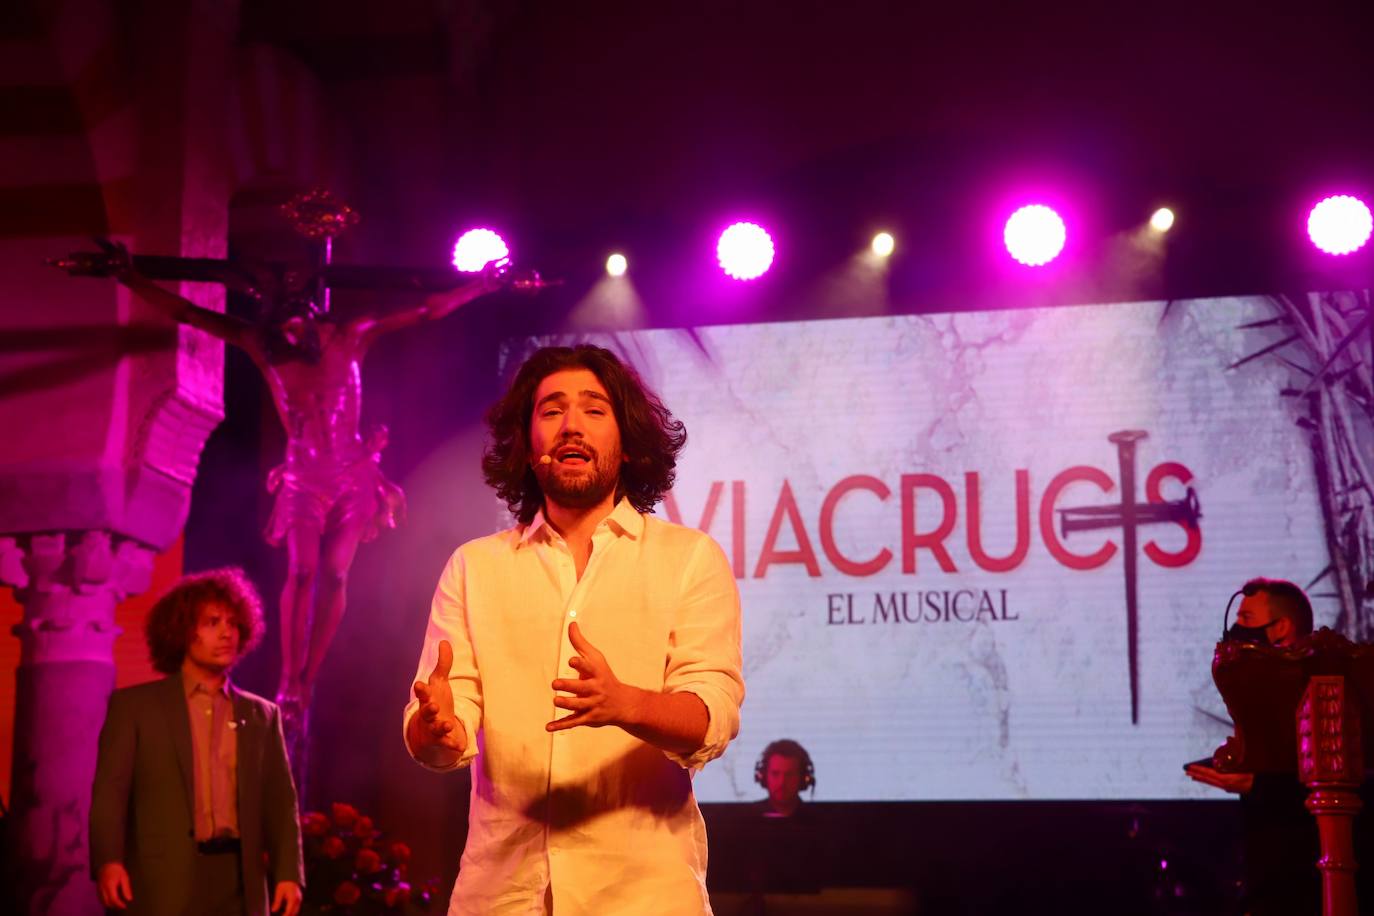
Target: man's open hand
<point>434,733</point>
<point>598,696</point>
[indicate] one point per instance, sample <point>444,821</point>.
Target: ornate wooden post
<point>1308,708</point>
<point>1331,763</point>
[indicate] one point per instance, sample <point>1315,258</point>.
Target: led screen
<point>939,562</point>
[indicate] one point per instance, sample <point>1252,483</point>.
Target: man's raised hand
<point>599,698</point>
<point>434,733</point>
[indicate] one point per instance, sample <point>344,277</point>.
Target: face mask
<point>1259,634</point>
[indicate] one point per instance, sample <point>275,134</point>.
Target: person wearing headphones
<point>784,842</point>
<point>785,770</point>
<point>1280,837</point>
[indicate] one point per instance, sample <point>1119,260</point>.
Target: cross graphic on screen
<point>1129,515</point>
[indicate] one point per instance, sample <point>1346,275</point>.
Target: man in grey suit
<point>193,807</point>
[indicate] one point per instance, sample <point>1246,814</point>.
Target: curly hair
<point>172,622</point>
<point>650,437</point>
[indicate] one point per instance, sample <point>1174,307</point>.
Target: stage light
<point>1339,225</point>
<point>477,248</point>
<point>616,265</point>
<point>1162,220</point>
<point>1035,235</point>
<point>883,244</point>
<point>745,251</point>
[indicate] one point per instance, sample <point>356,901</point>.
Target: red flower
<point>367,862</point>
<point>344,815</point>
<point>399,853</point>
<point>397,896</point>
<point>333,847</point>
<point>347,894</point>
<point>315,824</point>
<point>363,827</point>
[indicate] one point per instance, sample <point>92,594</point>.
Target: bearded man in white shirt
<point>586,661</point>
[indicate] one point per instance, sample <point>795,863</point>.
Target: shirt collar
<point>624,519</point>
<point>190,685</point>
<point>536,524</point>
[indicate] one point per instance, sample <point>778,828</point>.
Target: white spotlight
<point>477,248</point>
<point>745,251</point>
<point>616,265</point>
<point>1162,220</point>
<point>883,244</point>
<point>1035,235</point>
<point>1340,225</point>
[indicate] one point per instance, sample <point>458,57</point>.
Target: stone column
<point>68,585</point>
<point>104,404</point>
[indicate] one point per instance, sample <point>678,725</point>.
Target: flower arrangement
<point>352,869</point>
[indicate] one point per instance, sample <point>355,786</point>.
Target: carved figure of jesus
<point>331,494</point>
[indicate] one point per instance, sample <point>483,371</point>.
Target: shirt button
<point>572,613</point>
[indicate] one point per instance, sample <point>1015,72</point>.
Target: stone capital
<point>69,584</point>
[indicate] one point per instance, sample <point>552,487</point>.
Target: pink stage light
<point>745,251</point>
<point>477,248</point>
<point>1340,224</point>
<point>1035,235</point>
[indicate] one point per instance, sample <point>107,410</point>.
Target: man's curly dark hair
<point>172,622</point>
<point>650,437</point>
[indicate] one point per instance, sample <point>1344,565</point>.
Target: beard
<point>584,490</point>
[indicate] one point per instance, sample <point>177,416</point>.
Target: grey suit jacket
<point>142,812</point>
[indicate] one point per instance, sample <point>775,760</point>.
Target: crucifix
<point>330,492</point>
<point>1129,515</point>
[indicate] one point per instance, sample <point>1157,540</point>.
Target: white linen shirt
<point>605,820</point>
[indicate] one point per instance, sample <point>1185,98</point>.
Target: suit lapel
<point>179,727</point>
<point>248,736</point>
<point>245,719</point>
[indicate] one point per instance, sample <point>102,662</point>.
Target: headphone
<point>1249,589</point>
<point>787,748</point>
